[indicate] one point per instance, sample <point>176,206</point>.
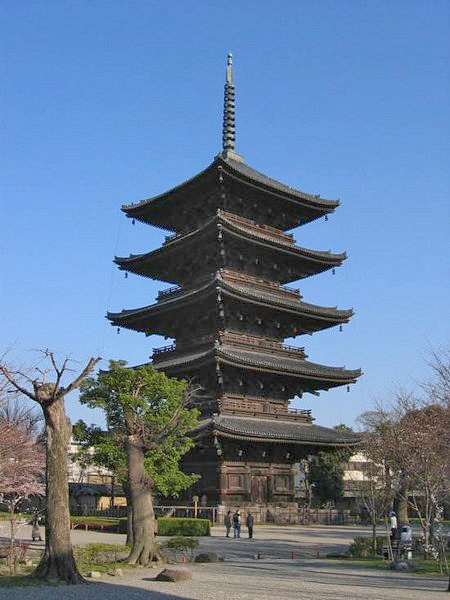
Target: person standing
<point>35,531</point>
<point>249,522</point>
<point>237,524</point>
<point>227,523</point>
<point>393,523</point>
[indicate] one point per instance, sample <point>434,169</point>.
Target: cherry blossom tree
<point>22,471</point>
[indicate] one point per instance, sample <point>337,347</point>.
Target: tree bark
<point>401,504</point>
<point>144,547</point>
<point>58,561</point>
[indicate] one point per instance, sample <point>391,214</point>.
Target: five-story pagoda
<point>229,312</point>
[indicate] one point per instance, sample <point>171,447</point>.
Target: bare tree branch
<point>77,381</point>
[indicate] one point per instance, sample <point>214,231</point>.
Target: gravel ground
<point>241,577</point>
<point>249,580</point>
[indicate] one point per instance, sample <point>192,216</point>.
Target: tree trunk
<point>374,535</point>
<point>126,489</point>
<point>401,504</point>
<point>57,562</point>
<point>143,548</point>
<point>129,540</point>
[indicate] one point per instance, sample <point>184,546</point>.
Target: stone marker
<point>116,573</point>
<point>94,574</point>
<point>174,575</point>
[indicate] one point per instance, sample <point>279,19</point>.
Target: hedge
<point>176,526</point>
<point>362,547</point>
<point>183,526</point>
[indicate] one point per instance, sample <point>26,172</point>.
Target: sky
<point>105,103</point>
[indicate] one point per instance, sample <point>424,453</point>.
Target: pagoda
<point>229,310</point>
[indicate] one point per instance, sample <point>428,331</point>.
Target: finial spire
<point>229,130</point>
<point>228,136</point>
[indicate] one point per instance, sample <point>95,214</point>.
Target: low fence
<point>327,516</point>
<point>207,512</point>
<point>277,515</point>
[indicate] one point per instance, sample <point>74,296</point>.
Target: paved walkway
<point>276,576</point>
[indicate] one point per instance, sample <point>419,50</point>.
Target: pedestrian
<point>393,523</point>
<point>249,522</point>
<point>237,524</point>
<point>227,523</point>
<point>35,531</point>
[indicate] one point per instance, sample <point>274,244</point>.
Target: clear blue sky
<point>108,102</point>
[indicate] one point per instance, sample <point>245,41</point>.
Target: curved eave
<point>131,318</point>
<point>324,256</point>
<point>275,431</point>
<point>137,211</point>
<point>259,361</point>
<point>135,263</point>
<point>268,184</point>
<point>287,365</point>
<point>142,211</point>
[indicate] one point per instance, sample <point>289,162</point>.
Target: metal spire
<point>229,131</point>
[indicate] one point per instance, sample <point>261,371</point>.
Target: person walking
<point>249,522</point>
<point>227,523</point>
<point>237,524</point>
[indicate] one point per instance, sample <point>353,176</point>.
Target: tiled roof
<point>263,360</point>
<point>268,182</point>
<point>272,297</point>
<point>286,364</point>
<point>136,262</point>
<point>244,170</point>
<point>278,430</point>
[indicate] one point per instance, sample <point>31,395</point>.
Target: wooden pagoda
<point>229,312</point>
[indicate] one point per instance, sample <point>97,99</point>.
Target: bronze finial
<point>229,130</point>
<point>228,136</point>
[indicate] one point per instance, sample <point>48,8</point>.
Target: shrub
<point>175,526</point>
<point>182,526</point>
<point>180,545</point>
<point>93,556</point>
<point>362,547</point>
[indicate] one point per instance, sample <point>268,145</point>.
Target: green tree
<point>326,471</point>
<point>147,417</point>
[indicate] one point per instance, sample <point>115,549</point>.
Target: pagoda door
<point>259,489</point>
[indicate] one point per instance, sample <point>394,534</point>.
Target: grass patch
<point>100,557</point>
<point>23,577</point>
<point>425,567</point>
<point>102,523</point>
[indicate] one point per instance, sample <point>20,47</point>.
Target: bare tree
<point>57,562</point>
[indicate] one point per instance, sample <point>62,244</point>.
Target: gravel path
<point>240,577</point>
<point>249,580</point>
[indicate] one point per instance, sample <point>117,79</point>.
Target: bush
<point>103,523</point>
<point>180,545</point>
<point>362,547</point>
<point>182,526</point>
<point>99,556</point>
<point>175,526</point>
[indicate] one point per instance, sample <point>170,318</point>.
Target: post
<point>195,501</point>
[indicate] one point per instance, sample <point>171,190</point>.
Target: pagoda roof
<point>276,430</point>
<point>278,362</point>
<point>141,319</point>
<point>153,264</point>
<point>152,210</point>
